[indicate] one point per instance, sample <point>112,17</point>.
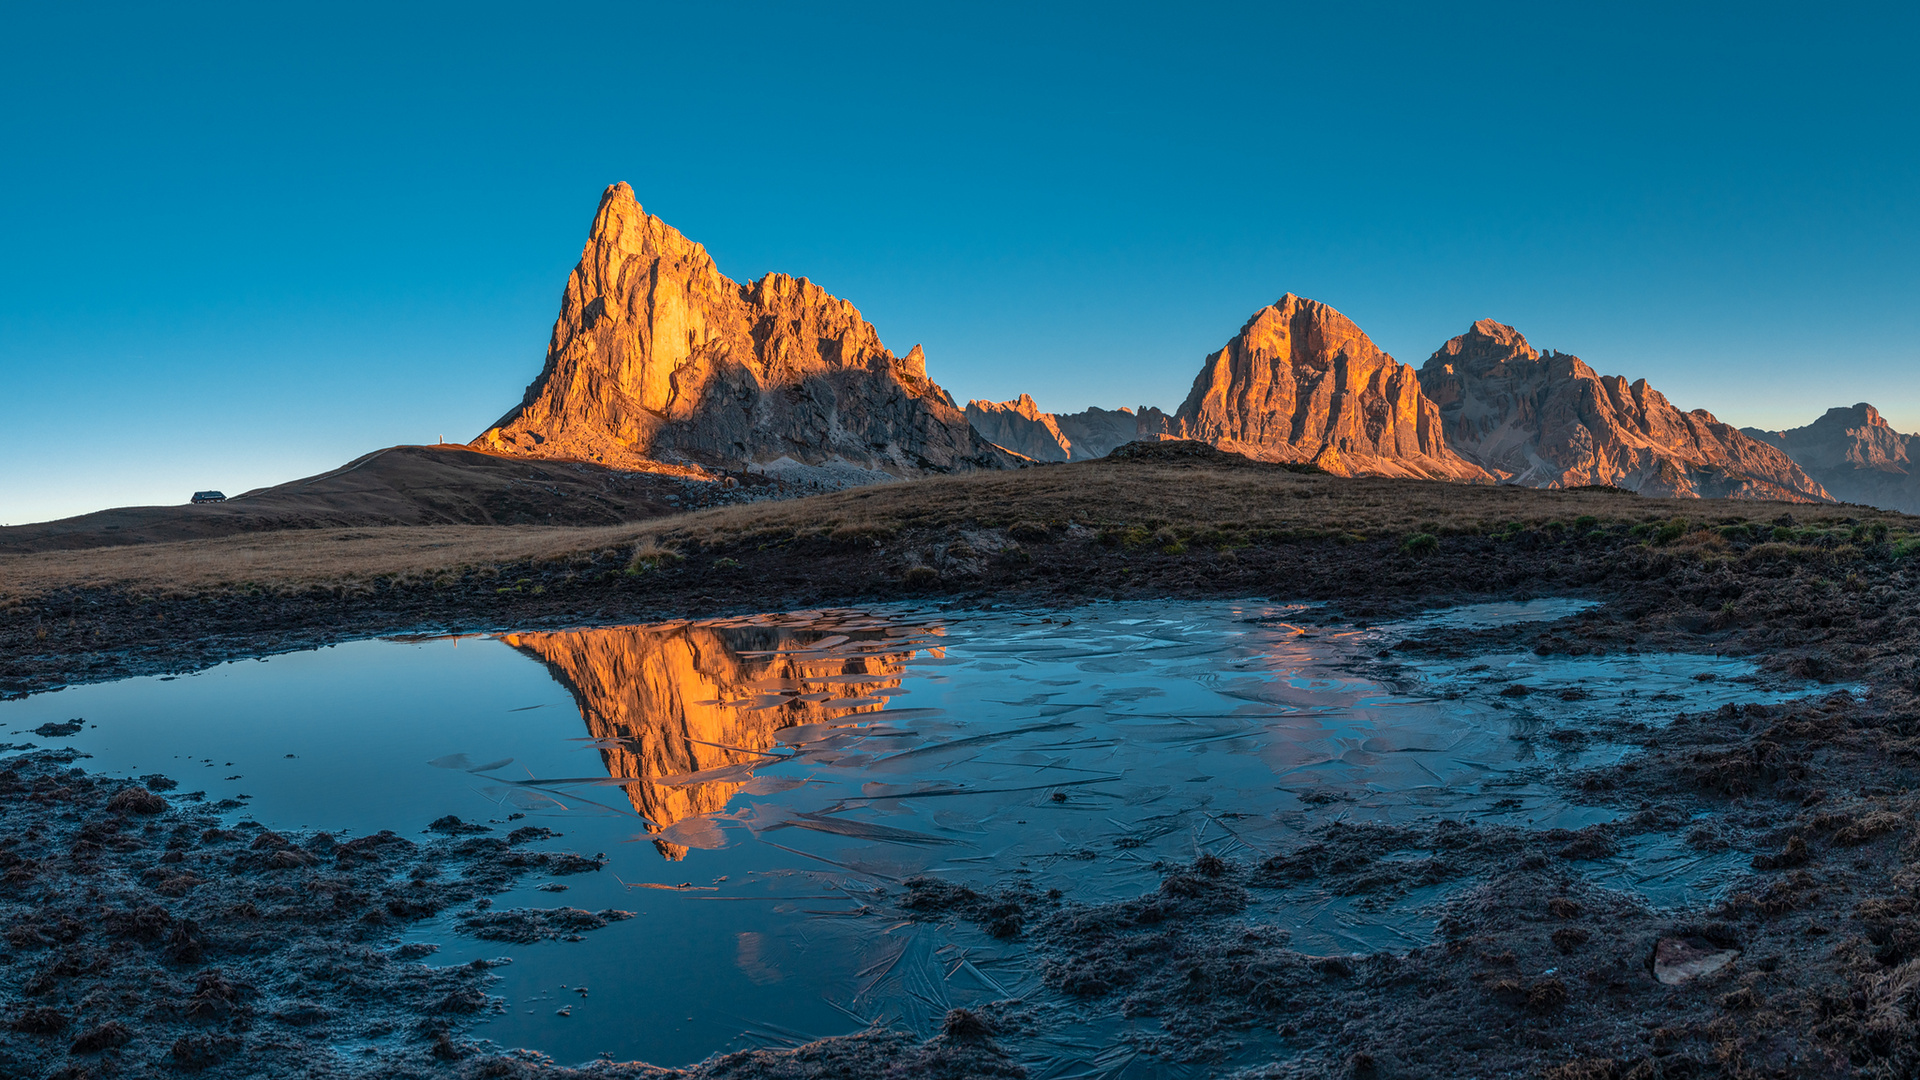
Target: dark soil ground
<point>1538,971</point>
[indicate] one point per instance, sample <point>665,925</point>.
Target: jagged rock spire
<point>658,360</point>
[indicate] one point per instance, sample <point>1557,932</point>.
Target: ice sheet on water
<point>756,778</point>
<point>1490,615</point>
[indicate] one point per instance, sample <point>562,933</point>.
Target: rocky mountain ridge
<point>1301,382</point>
<point>1021,427</point>
<point>1548,420</point>
<point>658,362</point>
<point>1856,455</point>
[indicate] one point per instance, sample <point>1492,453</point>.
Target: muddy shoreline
<point>1538,971</point>
<point>1659,596</point>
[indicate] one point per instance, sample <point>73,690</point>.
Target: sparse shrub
<point>921,576</point>
<point>1671,531</point>
<point>1420,543</point>
<point>1879,532</point>
<point>1585,523</point>
<point>726,564</point>
<point>1219,539</point>
<point>1735,532</point>
<point>1177,547</point>
<point>649,556</point>
<point>1030,531</point>
<point>1642,530</point>
<point>1782,534</point>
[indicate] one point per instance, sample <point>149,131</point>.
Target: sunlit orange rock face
<point>658,360</point>
<point>1549,421</point>
<point>1302,383</point>
<point>668,694</point>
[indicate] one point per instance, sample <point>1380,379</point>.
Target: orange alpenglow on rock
<point>659,362</point>
<point>1302,383</point>
<point>1548,421</point>
<point>684,710</point>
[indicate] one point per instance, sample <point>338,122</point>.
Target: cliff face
<point>1021,427</point>
<point>1302,383</point>
<point>658,360</point>
<point>1856,456</point>
<point>1549,421</point>
<point>681,708</point>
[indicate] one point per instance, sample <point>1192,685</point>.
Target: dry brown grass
<point>1162,503</point>
<point>1235,499</point>
<point>301,557</point>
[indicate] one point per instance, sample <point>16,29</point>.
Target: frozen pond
<point>756,781</point>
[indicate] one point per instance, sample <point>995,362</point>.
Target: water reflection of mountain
<point>673,699</point>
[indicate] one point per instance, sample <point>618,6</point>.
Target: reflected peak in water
<point>691,709</point>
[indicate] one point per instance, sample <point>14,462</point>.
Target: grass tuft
<point>649,555</point>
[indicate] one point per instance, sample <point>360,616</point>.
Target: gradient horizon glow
<point>248,243</point>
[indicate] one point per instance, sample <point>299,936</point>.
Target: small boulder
<point>1677,961</point>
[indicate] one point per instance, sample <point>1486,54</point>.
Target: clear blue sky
<point>247,243</point>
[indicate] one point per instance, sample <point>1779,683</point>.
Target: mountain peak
<point>1485,344</point>
<point>1857,456</point>
<point>657,360</point>
<point>1499,332</point>
<point>1862,413</point>
<point>1556,423</point>
<point>1301,382</point>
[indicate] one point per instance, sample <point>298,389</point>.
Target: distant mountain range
<point>1549,421</point>
<point>659,363</point>
<point>1855,456</point>
<point>661,373</point>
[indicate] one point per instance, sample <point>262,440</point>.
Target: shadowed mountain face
<point>688,710</point>
<point>1856,456</point>
<point>1547,420</point>
<point>1021,427</point>
<point>659,361</point>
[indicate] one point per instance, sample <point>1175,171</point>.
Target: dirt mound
<point>1195,452</point>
